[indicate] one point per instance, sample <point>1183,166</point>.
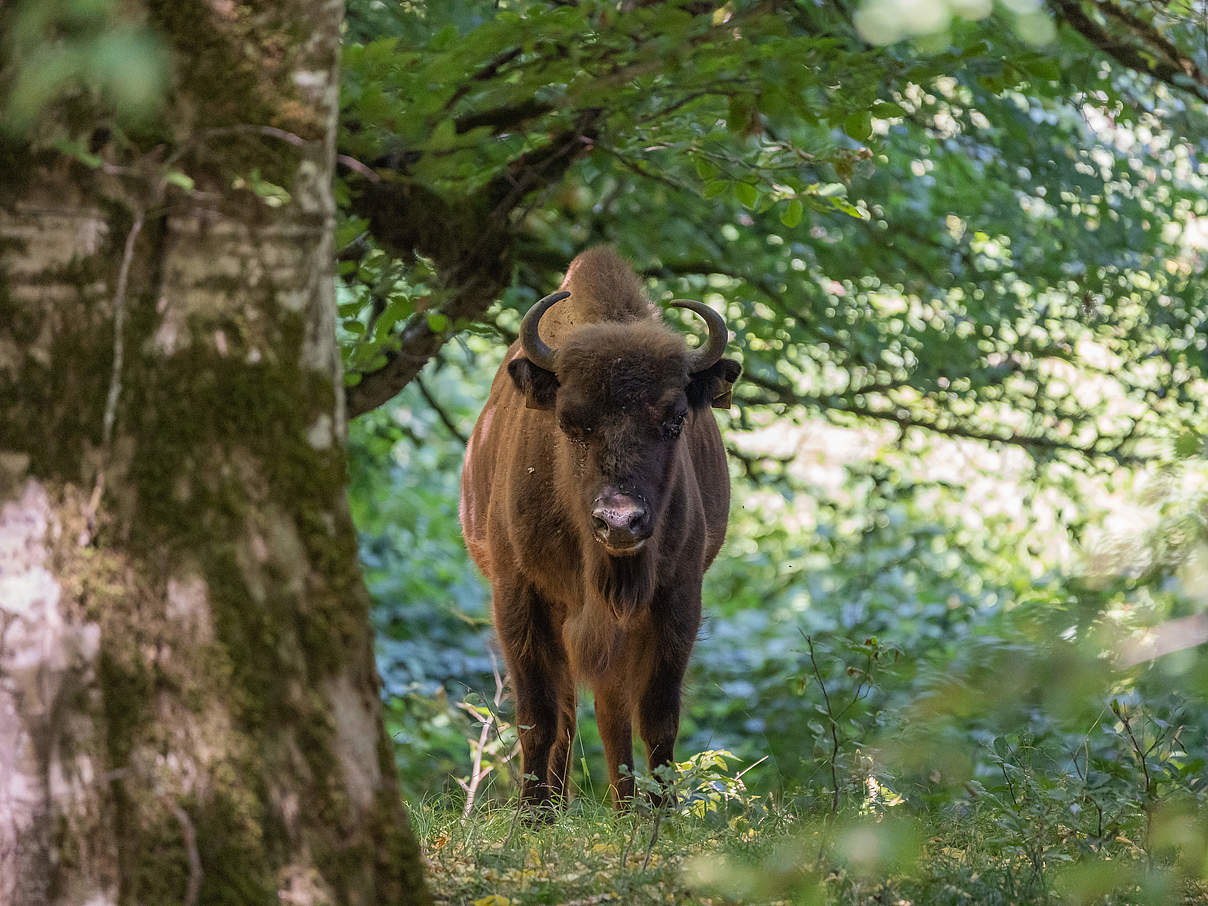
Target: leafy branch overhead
<point>1145,38</point>
<point>947,235</point>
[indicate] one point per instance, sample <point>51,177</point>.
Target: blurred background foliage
<point>64,64</point>
<point>965,276</point>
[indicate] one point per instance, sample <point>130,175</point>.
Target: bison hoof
<point>538,813</point>
<point>665,799</point>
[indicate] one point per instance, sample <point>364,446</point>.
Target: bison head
<point>621,393</point>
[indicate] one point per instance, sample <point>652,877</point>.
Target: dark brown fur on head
<point>620,394</point>
<point>619,408</point>
<point>618,366</point>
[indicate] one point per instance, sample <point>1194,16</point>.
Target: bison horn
<point>707,354</point>
<point>534,347</point>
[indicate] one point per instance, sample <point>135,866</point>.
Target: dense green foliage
<point>929,239</point>
<point>965,277</point>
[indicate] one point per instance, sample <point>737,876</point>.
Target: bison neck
<point>626,584</point>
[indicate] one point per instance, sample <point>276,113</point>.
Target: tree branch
<point>1156,57</point>
<point>485,74</point>
<point>1033,443</point>
<point>472,243</point>
<point>635,167</point>
<point>753,463</point>
<point>418,342</point>
<point>502,119</point>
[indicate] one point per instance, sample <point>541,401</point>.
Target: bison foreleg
<point>560,751</point>
<point>545,692</point>
<point>677,623</point>
<point>541,693</point>
<point>658,715</point>
<point>614,717</point>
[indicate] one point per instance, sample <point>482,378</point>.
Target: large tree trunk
<point>189,709</point>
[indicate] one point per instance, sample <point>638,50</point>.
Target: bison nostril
<point>618,519</point>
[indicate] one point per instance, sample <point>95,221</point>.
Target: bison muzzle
<point>594,496</point>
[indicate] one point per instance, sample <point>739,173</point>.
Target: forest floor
<point>753,854</point>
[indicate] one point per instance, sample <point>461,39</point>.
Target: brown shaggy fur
<point>621,415</point>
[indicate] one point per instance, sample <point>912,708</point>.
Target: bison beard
<point>598,438</point>
<point>626,584</point>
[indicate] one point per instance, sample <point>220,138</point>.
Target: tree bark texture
<point>189,707</point>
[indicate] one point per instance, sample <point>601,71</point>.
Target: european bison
<point>595,495</point>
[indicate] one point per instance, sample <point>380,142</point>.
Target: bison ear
<point>713,386</point>
<point>540,387</point>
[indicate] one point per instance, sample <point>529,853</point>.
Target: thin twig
<point>193,890</point>
<point>654,836</point>
<point>510,758</point>
<point>476,772</point>
<point>1140,753</point>
<point>290,138</point>
<point>902,416</point>
<point>353,164</point>
<point>1010,786</point>
<point>750,767</point>
<point>632,165</point>
<point>115,372</point>
<point>1149,796</point>
<point>834,731</point>
<point>441,414</point>
<point>119,323</point>
<point>633,835</point>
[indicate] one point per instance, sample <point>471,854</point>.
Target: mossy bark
<point>189,709</point>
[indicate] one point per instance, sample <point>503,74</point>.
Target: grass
<point>589,854</point>
<point>722,845</point>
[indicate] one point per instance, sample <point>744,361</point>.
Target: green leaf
<point>1041,67</point>
<point>858,125</point>
<point>746,193</point>
<point>180,180</point>
<point>842,204</point>
<point>77,150</point>
<point>444,135</point>
<point>792,213</point>
<point>444,38</point>
<point>437,322</point>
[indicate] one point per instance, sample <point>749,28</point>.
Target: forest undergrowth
<point>722,843</point>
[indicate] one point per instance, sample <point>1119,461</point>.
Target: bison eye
<point>673,426</point>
